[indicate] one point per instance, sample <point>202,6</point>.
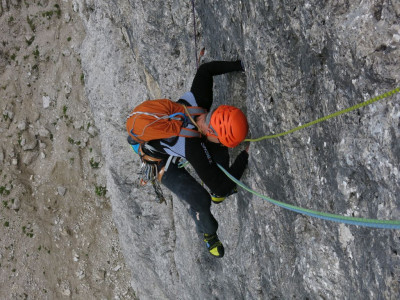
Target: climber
<point>225,126</point>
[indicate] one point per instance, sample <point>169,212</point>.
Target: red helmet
<point>229,125</point>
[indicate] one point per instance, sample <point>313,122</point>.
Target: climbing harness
<point>150,170</point>
<point>387,224</point>
<point>338,113</point>
<point>150,173</point>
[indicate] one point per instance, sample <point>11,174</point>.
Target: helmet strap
<point>211,131</point>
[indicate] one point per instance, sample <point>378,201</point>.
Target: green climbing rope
<point>374,223</point>
<point>338,113</point>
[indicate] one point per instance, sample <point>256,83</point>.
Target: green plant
<point>94,164</point>
<point>30,41</point>
<point>36,53</point>
<point>69,39</point>
<point>30,23</point>
<point>100,190</point>
<point>10,20</point>
<point>19,138</point>
<point>73,142</point>
<point>4,191</point>
<point>48,14</point>
<point>58,10</point>
<point>6,224</point>
<point>28,233</point>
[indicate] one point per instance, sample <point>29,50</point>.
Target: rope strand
<point>338,113</point>
<point>374,223</point>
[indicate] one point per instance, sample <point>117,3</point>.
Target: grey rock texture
<point>304,60</point>
<point>57,235</point>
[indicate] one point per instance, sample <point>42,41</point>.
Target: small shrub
<point>36,53</point>
<point>58,10</point>
<point>31,24</point>
<point>100,190</point>
<point>94,164</point>
<point>48,14</point>
<point>30,41</point>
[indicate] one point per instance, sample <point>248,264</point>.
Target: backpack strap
<point>189,133</point>
<point>195,111</point>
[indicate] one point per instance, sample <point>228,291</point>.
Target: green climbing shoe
<point>217,199</point>
<point>214,245</point>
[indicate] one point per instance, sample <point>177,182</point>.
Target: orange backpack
<point>161,119</point>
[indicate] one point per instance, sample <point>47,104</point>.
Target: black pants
<point>187,189</point>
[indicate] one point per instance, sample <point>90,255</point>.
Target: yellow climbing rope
<point>338,113</point>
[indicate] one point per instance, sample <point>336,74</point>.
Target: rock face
<point>303,60</point>
<point>57,236</point>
